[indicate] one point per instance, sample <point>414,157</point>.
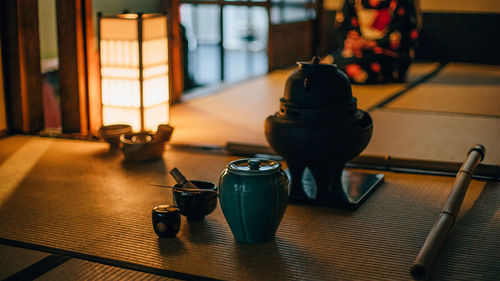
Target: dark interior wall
<point>468,37</point>
<point>461,37</point>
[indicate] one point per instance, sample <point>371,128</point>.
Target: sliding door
<point>292,31</point>
<point>228,41</point>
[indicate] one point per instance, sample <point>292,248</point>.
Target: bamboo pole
<point>422,265</point>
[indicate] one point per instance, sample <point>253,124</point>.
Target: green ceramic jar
<point>253,195</point>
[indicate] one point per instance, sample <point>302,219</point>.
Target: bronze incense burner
<point>317,129</point>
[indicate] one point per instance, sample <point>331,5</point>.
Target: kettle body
<point>319,127</point>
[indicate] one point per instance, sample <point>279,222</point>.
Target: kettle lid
<point>316,65</point>
<point>318,85</point>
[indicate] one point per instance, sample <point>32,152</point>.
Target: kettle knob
<point>254,164</point>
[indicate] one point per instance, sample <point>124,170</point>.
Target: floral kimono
<point>379,36</point>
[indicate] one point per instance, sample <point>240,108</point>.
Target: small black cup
<point>195,205</point>
<point>166,220</point>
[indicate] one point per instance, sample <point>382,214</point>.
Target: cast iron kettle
<point>318,126</point>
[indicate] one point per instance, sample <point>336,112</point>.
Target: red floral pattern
<point>401,11</point>
<point>374,3</point>
<point>375,66</point>
<point>354,22</point>
<point>382,20</point>
<point>352,69</point>
<point>414,34</point>
<point>384,59</point>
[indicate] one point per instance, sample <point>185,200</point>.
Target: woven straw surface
<point>76,269</point>
<point>458,88</point>
<point>237,113</point>
<point>79,197</point>
<point>13,259</point>
<point>433,136</point>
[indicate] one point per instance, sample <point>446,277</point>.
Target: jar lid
<point>254,166</point>
<point>163,209</point>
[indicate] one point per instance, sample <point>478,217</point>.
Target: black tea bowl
<point>193,204</point>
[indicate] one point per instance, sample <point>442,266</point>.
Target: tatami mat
<point>80,198</point>
<point>14,259</point>
<point>370,95</point>
<point>433,136</point>
<point>11,145</point>
<point>458,88</point>
<point>76,269</point>
<point>237,113</point>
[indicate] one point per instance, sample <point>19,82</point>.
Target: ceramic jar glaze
<point>253,195</point>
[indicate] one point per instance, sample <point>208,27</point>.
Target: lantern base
<point>354,190</point>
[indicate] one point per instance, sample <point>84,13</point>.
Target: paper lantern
<point>133,51</point>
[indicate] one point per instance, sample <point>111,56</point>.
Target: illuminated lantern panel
<point>134,70</point>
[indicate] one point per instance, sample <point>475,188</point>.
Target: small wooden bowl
<point>141,147</point>
<point>111,133</point>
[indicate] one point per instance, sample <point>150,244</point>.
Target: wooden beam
<point>232,3</point>
<point>319,36</point>
<point>72,66</point>
<point>270,34</point>
<point>175,53</point>
<point>93,71</point>
<point>21,65</point>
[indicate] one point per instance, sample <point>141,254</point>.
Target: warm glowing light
<point>121,70</point>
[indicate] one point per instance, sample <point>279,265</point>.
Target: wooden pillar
<point>175,53</point>
<point>270,36</point>
<point>319,34</point>
<point>72,66</point>
<point>21,65</point>
<point>93,71</point>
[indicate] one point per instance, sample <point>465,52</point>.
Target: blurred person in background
<point>378,40</point>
